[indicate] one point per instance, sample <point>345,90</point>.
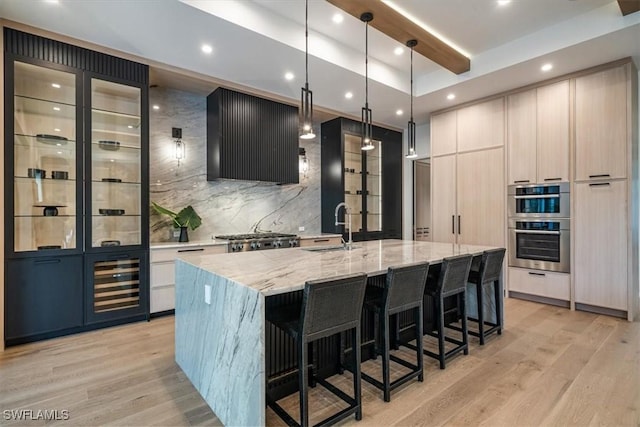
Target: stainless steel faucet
<point>347,245</point>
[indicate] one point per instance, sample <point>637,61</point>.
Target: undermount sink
<point>327,248</point>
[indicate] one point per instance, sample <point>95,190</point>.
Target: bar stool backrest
<point>454,274</point>
<point>404,287</point>
<point>491,265</point>
<point>332,306</point>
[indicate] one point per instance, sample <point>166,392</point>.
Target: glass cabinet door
<point>115,164</point>
<point>45,158</point>
<point>374,187</point>
<point>353,181</point>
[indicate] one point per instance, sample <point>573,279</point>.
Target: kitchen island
<point>221,302</point>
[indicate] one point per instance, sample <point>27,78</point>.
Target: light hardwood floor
<point>551,366</point>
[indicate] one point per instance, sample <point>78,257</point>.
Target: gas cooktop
<point>260,241</point>
<point>253,236</point>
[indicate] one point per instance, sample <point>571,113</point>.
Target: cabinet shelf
<point>111,119</point>
<point>44,216</point>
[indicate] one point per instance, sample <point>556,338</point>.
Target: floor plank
<point>551,366</point>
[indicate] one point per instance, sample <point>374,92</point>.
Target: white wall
<point>423,148</point>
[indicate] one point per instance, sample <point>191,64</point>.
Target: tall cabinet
<point>76,141</point>
<point>605,192</point>
<point>368,182</point>
<point>467,175</point>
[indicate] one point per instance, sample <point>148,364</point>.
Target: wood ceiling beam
<point>629,6</point>
<point>396,26</point>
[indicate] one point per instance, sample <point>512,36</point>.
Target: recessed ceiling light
<point>337,18</point>
<point>130,127</point>
<point>57,129</point>
<point>398,50</point>
<point>546,67</point>
<point>503,2</point>
<point>56,108</point>
<point>156,107</point>
<point>52,1</point>
<point>348,95</point>
<point>58,145</point>
<point>56,85</point>
<point>206,48</point>
<point>59,152</point>
<point>399,112</point>
<point>451,96</point>
<point>289,75</point>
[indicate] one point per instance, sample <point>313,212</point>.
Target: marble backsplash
<point>226,206</point>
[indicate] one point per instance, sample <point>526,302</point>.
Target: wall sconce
<point>176,134</point>
<point>303,162</point>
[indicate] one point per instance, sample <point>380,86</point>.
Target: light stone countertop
<point>284,270</point>
<point>178,245</point>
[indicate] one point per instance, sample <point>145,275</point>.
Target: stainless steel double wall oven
<point>539,226</point>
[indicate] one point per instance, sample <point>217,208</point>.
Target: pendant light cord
<point>411,94</point>
<point>366,65</point>
<point>306,42</point>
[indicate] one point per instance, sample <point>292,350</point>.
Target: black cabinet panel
<point>251,138</point>
<point>334,184</point>
<point>43,295</point>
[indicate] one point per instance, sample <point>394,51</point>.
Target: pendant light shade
<point>411,126</point>
<point>306,97</point>
<point>367,127</point>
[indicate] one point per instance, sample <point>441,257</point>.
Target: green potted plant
<point>185,219</point>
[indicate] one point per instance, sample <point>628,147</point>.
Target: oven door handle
<point>557,233</point>
<point>541,196</point>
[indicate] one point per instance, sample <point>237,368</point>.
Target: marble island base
<point>223,342</point>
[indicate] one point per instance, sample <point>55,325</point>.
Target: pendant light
<point>306,97</point>
<point>411,126</point>
<point>367,128</point>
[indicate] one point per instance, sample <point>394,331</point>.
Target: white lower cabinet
<point>163,276</point>
<point>332,240</point>
<point>540,283</point>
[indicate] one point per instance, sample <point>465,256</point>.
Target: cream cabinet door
<point>481,198</point>
<point>481,125</point>
<point>553,132</point>
<point>600,268</point>
<point>443,133</point>
<point>443,198</point>
<point>601,125</point>
<point>521,137</point>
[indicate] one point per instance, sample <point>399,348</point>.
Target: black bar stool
<point>328,307</point>
<point>451,281</point>
<point>489,274</point>
<point>403,290</point>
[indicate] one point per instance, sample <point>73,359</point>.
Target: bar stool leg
<point>386,377</point>
<point>480,299</point>
<point>462,297</point>
<point>302,383</point>
<point>356,373</point>
<point>441,347</point>
<point>419,346</point>
<point>498,292</point>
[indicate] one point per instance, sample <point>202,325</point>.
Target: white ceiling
<point>256,41</point>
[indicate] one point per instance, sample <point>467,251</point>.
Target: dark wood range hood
<point>251,138</point>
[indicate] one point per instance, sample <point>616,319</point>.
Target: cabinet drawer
<point>163,299</point>
<point>163,273</point>
<point>320,241</point>
<point>160,255</point>
<point>541,283</point>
